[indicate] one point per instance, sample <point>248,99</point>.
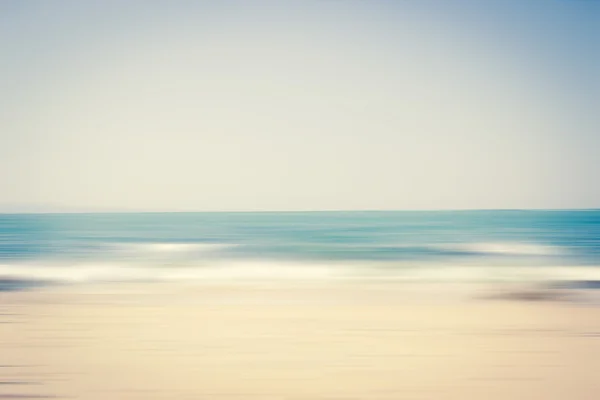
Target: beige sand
<point>321,342</point>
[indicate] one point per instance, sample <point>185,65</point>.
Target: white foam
<point>168,247</point>
<point>75,273</point>
<point>246,270</point>
<point>504,248</point>
<point>102,272</point>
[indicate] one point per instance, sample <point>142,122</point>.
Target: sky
<point>275,105</point>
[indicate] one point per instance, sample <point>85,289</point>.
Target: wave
<point>269,270</point>
<point>110,272</point>
<point>503,248</point>
<point>173,247</point>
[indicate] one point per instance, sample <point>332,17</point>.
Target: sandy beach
<point>284,342</point>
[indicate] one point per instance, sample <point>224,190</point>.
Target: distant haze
<point>299,105</point>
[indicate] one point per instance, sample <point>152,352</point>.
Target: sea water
<point>416,246</point>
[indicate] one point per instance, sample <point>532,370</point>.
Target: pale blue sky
<point>299,105</point>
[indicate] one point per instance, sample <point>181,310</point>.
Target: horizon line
<point>294,211</point>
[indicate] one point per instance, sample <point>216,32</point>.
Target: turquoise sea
<point>46,249</point>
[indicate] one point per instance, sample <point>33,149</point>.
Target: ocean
<point>416,246</point>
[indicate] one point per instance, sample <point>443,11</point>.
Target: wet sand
<point>301,342</point>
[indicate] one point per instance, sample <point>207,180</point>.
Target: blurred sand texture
<point>292,342</point>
